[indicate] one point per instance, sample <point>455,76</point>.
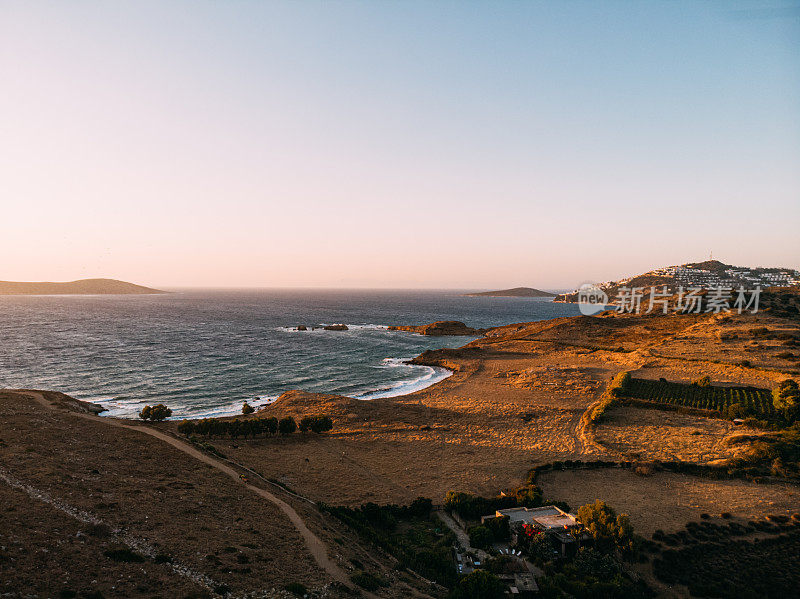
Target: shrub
<point>123,555</point>
<point>703,381</point>
<point>247,409</point>
<point>287,425</point>
<point>155,413</point>
<point>620,384</point>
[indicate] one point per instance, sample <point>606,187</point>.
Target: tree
<point>155,413</point>
<point>786,397</point>
<point>621,384</point>
<point>247,409</point>
<point>317,424</point>
<point>187,427</point>
<point>607,529</point>
<point>287,425</point>
<point>529,496</point>
<point>466,505</point>
<point>480,537</point>
<point>480,584</point>
<point>421,507</point>
<point>590,562</point>
<point>499,527</point>
<point>540,547</point>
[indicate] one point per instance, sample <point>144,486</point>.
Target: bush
<point>287,426</point>
<point>703,381</point>
<point>247,409</point>
<point>155,413</point>
<point>123,555</point>
<point>620,385</point>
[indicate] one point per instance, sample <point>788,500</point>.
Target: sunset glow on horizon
<point>396,145</point>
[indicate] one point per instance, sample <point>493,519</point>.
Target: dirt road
<point>315,545</point>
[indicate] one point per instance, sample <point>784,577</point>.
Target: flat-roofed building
<point>549,519</point>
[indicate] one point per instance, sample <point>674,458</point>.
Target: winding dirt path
<point>315,545</point>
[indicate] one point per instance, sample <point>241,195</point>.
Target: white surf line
<point>132,542</point>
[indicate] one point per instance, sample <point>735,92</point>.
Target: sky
<point>396,144</point>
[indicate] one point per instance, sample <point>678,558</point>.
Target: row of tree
<point>254,427</point>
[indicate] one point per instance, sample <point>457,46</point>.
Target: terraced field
<point>753,400</point>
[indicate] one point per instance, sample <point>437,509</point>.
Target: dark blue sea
<point>205,352</point>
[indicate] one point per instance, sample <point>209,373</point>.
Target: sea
<point>204,352</point>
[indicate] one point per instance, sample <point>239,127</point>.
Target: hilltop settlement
<point>710,274</point>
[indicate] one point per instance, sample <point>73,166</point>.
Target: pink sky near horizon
<point>392,146</point>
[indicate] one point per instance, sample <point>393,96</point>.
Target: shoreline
<point>436,373</point>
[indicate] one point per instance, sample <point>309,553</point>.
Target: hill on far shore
<point>515,292</point>
<point>81,287</point>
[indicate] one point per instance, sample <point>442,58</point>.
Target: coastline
<point>436,374</point>
<point>427,375</point>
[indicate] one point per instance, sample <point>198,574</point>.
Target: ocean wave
<point>130,408</point>
<point>233,409</point>
<point>428,376</point>
<point>318,328</point>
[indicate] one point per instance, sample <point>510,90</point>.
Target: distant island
<point>515,292</point>
<point>81,287</point>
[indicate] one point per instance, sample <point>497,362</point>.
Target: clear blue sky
<point>396,144</point>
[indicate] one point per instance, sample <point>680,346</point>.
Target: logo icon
<point>591,299</point>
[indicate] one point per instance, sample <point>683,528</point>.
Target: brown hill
<point>81,287</point>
